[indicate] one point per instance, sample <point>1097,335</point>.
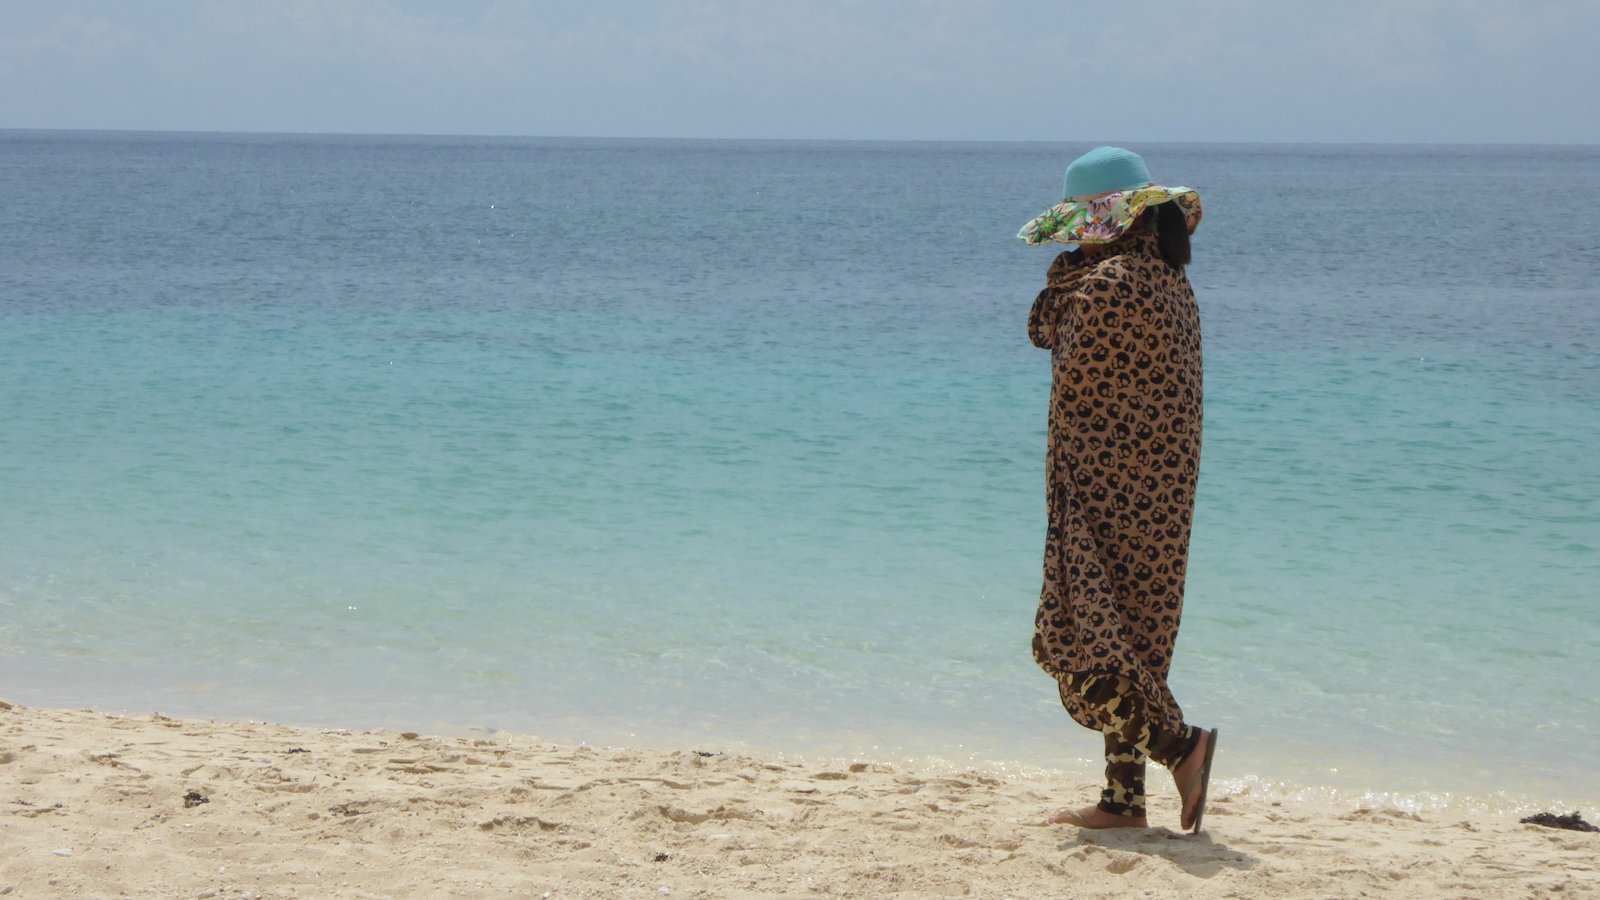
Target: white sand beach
<point>99,805</point>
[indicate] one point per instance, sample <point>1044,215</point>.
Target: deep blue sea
<point>741,444</point>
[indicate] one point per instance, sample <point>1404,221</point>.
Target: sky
<point>1519,71</point>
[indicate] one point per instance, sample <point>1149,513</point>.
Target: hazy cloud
<point>1134,70</point>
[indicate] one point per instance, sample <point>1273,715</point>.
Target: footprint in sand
<point>518,824</point>
<point>1123,863</point>
<point>357,807</point>
<point>1379,815</point>
<point>1117,863</point>
<point>721,813</point>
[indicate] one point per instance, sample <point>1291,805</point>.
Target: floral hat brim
<point>1103,218</point>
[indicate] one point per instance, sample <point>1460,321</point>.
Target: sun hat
<point>1105,191</point>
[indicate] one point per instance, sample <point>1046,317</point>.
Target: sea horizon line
<point>704,139</point>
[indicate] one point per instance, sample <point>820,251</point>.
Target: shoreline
<point>1303,772</point>
<point>279,811</point>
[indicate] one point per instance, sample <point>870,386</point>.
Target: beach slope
<point>102,805</point>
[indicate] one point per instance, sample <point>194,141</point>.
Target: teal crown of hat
<point>1102,170</point>
<point>1106,191</point>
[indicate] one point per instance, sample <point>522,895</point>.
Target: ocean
<point>740,444</point>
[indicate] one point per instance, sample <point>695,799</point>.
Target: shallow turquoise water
<point>742,442</point>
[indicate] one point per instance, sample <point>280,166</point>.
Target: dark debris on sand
<point>1570,821</point>
<point>193,799</point>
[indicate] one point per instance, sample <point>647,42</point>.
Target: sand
<point>95,805</point>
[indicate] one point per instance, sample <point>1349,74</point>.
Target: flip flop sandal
<point>1205,783</point>
<point>1066,817</point>
<point>1071,817</point>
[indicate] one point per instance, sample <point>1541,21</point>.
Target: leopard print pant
<point>1131,737</point>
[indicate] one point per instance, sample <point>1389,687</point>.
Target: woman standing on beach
<point>1120,320</point>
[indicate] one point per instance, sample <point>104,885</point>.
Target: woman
<point>1120,320</point>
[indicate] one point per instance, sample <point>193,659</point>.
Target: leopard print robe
<point>1120,471</point>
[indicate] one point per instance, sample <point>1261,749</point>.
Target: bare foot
<point>1187,776</point>
<point>1095,817</point>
